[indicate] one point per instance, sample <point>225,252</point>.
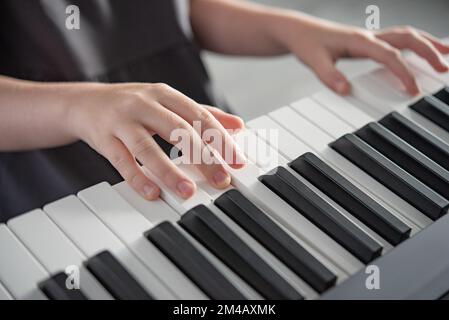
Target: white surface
<point>54,250</point>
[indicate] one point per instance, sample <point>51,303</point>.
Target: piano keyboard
<point>356,181</point>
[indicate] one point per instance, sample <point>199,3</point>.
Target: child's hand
<point>320,44</point>
<point>118,121</point>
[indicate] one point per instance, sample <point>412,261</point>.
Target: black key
<point>351,198</point>
<point>55,288</point>
<point>407,157</point>
<point>208,229</point>
<point>115,278</point>
<point>276,240</point>
<point>392,176</point>
<point>322,214</point>
<point>192,262</point>
<point>433,109</point>
<point>418,137</point>
<point>443,95</point>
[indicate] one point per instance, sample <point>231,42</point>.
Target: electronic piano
<point>354,183</point>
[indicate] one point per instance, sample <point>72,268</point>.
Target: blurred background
<point>256,86</point>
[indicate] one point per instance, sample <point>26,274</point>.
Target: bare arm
<point>238,27</point>
<point>118,121</point>
<point>33,115</point>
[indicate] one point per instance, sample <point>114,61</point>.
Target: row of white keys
<point>20,272</point>
<point>4,294</point>
<point>318,140</point>
<point>276,265</point>
<point>91,236</point>
<point>279,160</point>
<point>129,226</point>
<point>54,250</point>
<point>291,147</point>
<point>155,211</point>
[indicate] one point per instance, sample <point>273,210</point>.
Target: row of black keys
<point>363,149</point>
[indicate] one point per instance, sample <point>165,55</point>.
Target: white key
<point>155,211</point>
<point>202,184</point>
<point>342,108</point>
<point>306,130</point>
<point>91,236</point>
<point>4,294</point>
<point>255,149</point>
<point>287,145</point>
<point>53,250</point>
<point>317,114</point>
<point>176,202</point>
<point>364,181</point>
<point>129,226</point>
<point>20,272</point>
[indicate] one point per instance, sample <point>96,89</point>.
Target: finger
<point>172,128</point>
<point>410,39</point>
<point>382,52</point>
<point>324,67</point>
<point>439,45</point>
<point>227,120</point>
<point>202,121</point>
<point>124,162</point>
<point>143,147</point>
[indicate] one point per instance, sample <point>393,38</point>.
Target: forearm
<point>242,28</point>
<point>33,115</point>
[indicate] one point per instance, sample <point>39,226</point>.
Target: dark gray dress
<point>118,41</point>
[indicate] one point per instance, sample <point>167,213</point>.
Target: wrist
<point>286,28</point>
<point>72,101</point>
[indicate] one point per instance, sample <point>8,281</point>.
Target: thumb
<point>324,67</point>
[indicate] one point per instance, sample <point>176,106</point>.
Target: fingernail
<point>185,189</point>
<point>149,192</point>
<point>341,87</point>
<point>222,179</point>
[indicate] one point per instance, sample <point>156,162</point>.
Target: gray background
<point>255,86</point>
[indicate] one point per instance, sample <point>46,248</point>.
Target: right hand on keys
<point>118,121</point>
